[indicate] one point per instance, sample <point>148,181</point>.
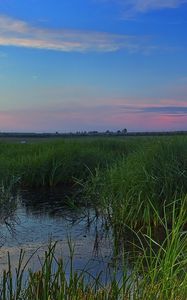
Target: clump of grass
<point>8,202</point>
<point>51,282</point>
<point>151,176</point>
<point>159,272</point>
<point>164,263</point>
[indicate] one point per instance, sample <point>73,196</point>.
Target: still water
<point>43,216</point>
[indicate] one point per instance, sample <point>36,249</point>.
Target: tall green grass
<point>139,184</point>
<point>158,271</point>
<point>7,201</point>
<point>153,175</point>
<point>122,176</point>
<point>59,162</point>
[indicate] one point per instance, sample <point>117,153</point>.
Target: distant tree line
<point>122,132</point>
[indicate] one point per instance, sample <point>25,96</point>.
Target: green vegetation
<point>58,162</point>
<point>139,184</point>
<point>136,188</point>
<point>129,179</point>
<point>7,202</point>
<point>156,274</point>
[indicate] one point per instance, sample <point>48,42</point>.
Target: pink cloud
<point>68,117</point>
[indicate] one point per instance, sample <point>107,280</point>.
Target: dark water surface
<point>42,216</point>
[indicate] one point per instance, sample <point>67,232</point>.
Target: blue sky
<point>93,65</point>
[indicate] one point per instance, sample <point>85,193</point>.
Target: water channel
<point>43,216</point>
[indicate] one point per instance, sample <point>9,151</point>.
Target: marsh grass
<point>139,185</point>
<point>156,273</point>
<point>164,262</point>
<point>54,163</point>
<point>8,202</point>
<point>149,177</point>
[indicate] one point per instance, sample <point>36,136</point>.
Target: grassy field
<point>139,184</point>
<point>54,162</point>
<point>135,189</point>
<point>129,179</point>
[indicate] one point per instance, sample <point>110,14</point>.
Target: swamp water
<point>41,217</point>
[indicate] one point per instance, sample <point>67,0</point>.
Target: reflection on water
<point>8,205</point>
<point>42,216</point>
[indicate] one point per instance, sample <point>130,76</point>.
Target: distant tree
<point>124,131</point>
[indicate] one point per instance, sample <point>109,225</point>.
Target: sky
<point>77,65</point>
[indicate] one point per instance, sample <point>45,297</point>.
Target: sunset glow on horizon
<point>71,66</point>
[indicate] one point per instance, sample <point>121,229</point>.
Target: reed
<point>164,263</point>
<point>8,202</point>
<point>139,185</point>
<point>158,272</point>
<point>59,162</point>
<point>151,176</point>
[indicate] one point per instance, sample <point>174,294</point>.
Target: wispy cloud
<point>71,117</point>
<point>147,5</point>
<point>157,109</point>
<point>132,7</point>
<point>14,32</point>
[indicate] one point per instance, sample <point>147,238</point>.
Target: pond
<point>43,216</point>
